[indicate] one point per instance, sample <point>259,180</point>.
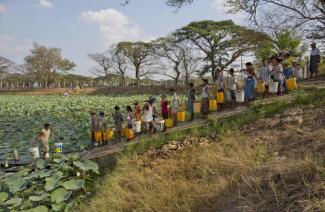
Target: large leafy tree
<point>139,56</point>
<point>119,63</point>
<point>43,63</point>
<point>220,42</point>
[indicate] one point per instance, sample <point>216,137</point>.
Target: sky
<point>80,27</point>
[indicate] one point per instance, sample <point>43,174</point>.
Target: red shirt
<point>164,106</point>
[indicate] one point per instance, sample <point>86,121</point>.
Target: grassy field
<point>255,162</point>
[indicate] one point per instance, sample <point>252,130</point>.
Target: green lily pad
<point>87,165</point>
<point>3,196</point>
<point>38,198</point>
<point>69,207</point>
<point>26,205</point>
<point>60,195</point>
<point>74,156</point>
<point>58,207</point>
<point>14,183</point>
<point>14,201</point>
<point>40,164</point>
<point>53,182</point>
<point>38,209</point>
<point>74,184</point>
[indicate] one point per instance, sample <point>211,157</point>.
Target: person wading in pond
<point>314,60</point>
<point>44,137</point>
<point>191,100</point>
<point>205,98</point>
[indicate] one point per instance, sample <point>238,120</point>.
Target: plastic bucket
<point>220,97</point>
<point>212,105</point>
<point>129,134</point>
<point>108,135</point>
<point>169,123</point>
<point>58,147</point>
<point>260,87</point>
<point>98,136</point>
<point>137,126</point>
<point>197,107</point>
<point>181,116</point>
<point>240,96</point>
<point>291,84</point>
<point>160,125</point>
<point>35,152</point>
<point>273,87</point>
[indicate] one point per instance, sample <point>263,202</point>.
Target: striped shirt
<point>265,74</point>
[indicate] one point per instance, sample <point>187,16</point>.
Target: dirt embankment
<point>275,164</point>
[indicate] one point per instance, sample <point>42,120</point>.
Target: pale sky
<point>79,27</point>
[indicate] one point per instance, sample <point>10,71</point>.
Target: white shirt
<point>314,52</point>
<point>232,83</point>
<point>219,81</point>
<point>205,90</point>
<point>175,101</point>
<point>148,115</point>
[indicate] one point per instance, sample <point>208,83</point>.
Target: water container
<point>212,105</point>
<point>161,125</point>
<point>220,97</point>
<point>260,88</point>
<point>181,116</point>
<point>35,152</point>
<point>108,135</point>
<point>184,105</point>
<point>273,87</point>
<point>197,107</point>
<point>298,73</point>
<point>98,136</point>
<point>240,96</point>
<point>58,147</point>
<point>137,126</point>
<point>129,134</point>
<point>291,84</point>
<point>169,123</point>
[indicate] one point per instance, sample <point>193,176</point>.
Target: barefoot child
<point>129,116</point>
<point>164,107</point>
<point>43,137</point>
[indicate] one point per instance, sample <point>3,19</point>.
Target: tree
<point>44,62</point>
<point>119,63</point>
<point>189,65</point>
<point>103,60</point>
<point>174,52</point>
<point>221,42</point>
<point>138,54</point>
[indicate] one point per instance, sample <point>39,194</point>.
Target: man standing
<point>314,60</point>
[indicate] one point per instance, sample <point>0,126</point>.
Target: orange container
<point>108,135</point>
<point>197,107</point>
<point>129,134</point>
<point>220,97</point>
<point>181,116</point>
<point>98,136</point>
<point>212,105</point>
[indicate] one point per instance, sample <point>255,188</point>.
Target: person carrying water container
<point>94,123</point>
<point>164,107</point>
<point>174,105</point>
<point>265,75</point>
<point>137,111</point>
<point>44,137</point>
<point>148,116</point>
<point>232,84</point>
<point>205,98</point>
<point>129,116</point>
<point>118,120</point>
<point>278,74</point>
<point>250,82</point>
<point>191,100</point>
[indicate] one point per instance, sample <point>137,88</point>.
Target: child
<point>137,111</point>
<point>191,100</point>
<point>43,137</point>
<point>265,75</point>
<point>287,70</point>
<point>174,104</point>
<point>278,75</point>
<point>164,107</point>
<point>250,82</point>
<point>232,84</point>
<point>205,98</point>
<point>129,116</point>
<point>94,126</point>
<point>148,115</point>
<point>118,119</point>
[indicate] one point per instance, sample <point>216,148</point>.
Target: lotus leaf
<point>74,156</point>
<point>58,207</point>
<point>74,184</point>
<point>38,198</point>
<point>26,205</point>
<point>87,165</point>
<point>38,209</point>
<point>40,164</point>
<point>14,183</point>
<point>14,201</point>
<point>3,196</point>
<point>53,182</point>
<point>60,195</point>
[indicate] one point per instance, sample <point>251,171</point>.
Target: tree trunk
<point>106,75</point>
<point>137,74</point>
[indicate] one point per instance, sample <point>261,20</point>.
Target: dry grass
<point>275,164</point>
